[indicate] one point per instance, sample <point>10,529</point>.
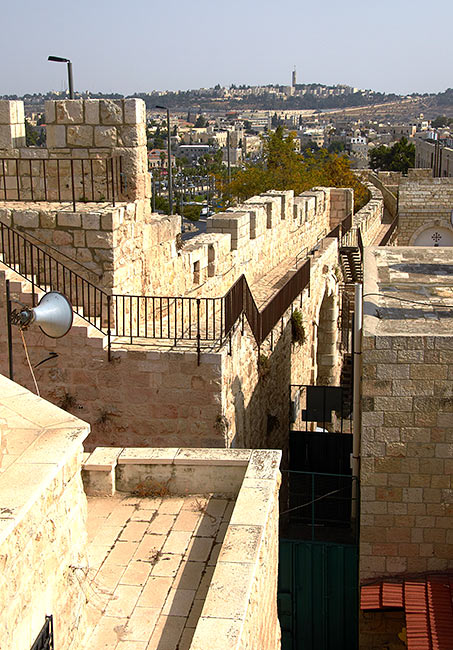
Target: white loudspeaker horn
<point>53,314</point>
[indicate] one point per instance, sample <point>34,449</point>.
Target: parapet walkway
<point>151,562</point>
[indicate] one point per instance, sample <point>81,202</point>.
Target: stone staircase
<point>351,264</point>
<point>21,291</point>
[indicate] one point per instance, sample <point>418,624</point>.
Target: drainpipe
<point>357,376</point>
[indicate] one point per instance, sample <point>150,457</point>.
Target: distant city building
<point>194,151</point>
<point>159,158</point>
<point>436,155</point>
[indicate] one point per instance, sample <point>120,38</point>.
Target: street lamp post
<point>60,59</point>
<point>170,183</point>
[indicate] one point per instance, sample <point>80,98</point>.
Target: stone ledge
<point>41,439</point>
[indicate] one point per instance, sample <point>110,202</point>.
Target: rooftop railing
<point>61,179</point>
<point>133,319</point>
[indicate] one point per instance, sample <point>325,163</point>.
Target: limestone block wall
<point>341,205</point>
<point>144,397</point>
<point>406,496</point>
<point>389,195</point>
<point>390,180</point>
<point>422,203</point>
<point>369,218</point>
<point>170,397</point>
<point>137,253</point>
<point>255,396</point>
<point>105,243</point>
<point>42,521</point>
<point>82,134</point>
<point>12,124</point>
<point>261,627</point>
<point>165,398</point>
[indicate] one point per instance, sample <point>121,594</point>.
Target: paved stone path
<point>151,563</point>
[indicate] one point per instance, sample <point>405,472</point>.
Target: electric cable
<point>29,364</point>
<point>413,302</point>
<point>309,503</point>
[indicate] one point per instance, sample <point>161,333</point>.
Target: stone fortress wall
<point>253,236</point>
<point>43,555</point>
<point>50,551</point>
<point>157,396</point>
<point>407,417</point>
<point>91,130</point>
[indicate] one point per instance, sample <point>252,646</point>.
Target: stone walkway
<point>272,281</point>
<point>151,562</point>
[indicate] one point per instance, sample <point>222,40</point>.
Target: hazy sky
<point>140,45</point>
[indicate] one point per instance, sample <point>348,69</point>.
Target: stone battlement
<point>78,129</point>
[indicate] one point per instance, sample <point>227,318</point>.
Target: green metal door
<point>318,595</point>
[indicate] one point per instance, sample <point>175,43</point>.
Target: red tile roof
<point>428,604</point>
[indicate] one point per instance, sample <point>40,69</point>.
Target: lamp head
<point>53,314</point>
<point>58,59</point>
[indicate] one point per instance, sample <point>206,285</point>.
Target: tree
<point>201,122</point>
<point>335,147</point>
<point>441,121</point>
<point>282,168</point>
<point>33,137</point>
<point>397,158</point>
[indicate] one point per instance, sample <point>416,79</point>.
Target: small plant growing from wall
<point>338,273</point>
<point>179,242</point>
<point>264,366</point>
<point>221,424</point>
<point>67,402</point>
<point>297,328</point>
<point>150,488</point>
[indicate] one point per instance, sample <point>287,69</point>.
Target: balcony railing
<point>61,179</point>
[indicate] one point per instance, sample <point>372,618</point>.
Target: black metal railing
<point>282,300</point>
<point>168,317</point>
<point>125,317</point>
<point>388,235</point>
<point>61,179</point>
<point>132,317</point>
<point>239,300</point>
<point>46,273</point>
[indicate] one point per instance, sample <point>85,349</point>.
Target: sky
<point>129,46</point>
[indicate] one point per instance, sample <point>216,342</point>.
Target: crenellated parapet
<point>89,130</point>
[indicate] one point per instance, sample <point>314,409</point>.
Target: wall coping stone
<point>54,435</point>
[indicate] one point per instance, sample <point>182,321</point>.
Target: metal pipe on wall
<point>356,390</point>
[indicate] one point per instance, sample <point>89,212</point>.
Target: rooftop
<point>151,563</point>
<point>182,543</point>
<point>408,291</point>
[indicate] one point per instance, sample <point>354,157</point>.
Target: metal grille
<point>61,179</point>
<point>45,637</point>
<point>319,507</point>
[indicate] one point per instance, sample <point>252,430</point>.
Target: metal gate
<point>318,595</point>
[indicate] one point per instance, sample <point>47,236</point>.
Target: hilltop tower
<point>293,79</point>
